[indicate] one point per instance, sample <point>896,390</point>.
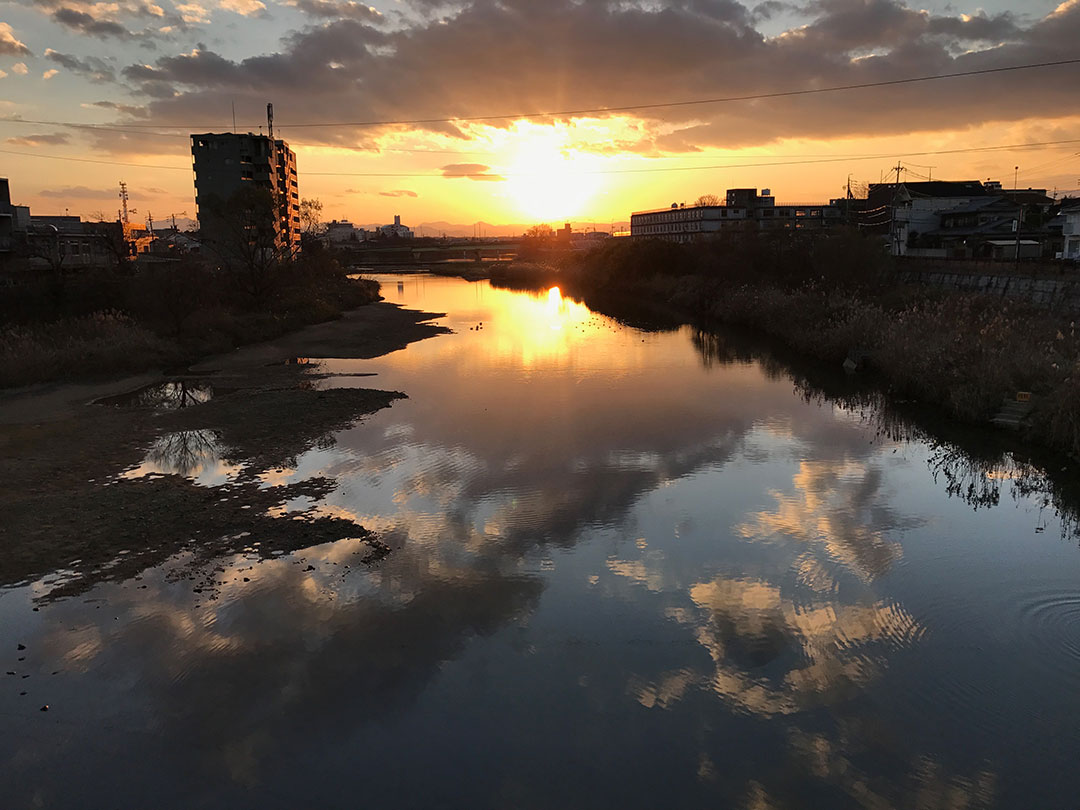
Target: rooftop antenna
<point>234,116</point>
<point>124,201</point>
<point>270,120</point>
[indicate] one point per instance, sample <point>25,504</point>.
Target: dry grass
<point>158,316</point>
<point>962,352</point>
<point>98,344</point>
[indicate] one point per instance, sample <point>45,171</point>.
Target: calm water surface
<point>623,575</point>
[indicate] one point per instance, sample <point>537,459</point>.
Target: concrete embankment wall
<point>1063,293</point>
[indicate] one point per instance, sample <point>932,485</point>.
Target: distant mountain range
<point>487,229</point>
<point>441,227</point>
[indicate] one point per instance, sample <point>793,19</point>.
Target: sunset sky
<point>338,70</point>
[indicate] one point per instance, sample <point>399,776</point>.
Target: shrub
<point>102,343</point>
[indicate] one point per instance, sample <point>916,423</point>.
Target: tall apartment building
<point>225,163</point>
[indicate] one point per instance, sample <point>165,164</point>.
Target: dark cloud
<point>88,24</point>
<point>977,27</point>
<point>473,171</point>
<point>398,193</point>
<point>96,70</point>
<point>126,109</point>
<point>83,193</point>
<point>482,58</point>
<point>46,139</point>
<point>109,21</point>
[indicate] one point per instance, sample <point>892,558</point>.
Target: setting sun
<point>548,180</point>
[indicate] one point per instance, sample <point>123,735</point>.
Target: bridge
<point>397,255</point>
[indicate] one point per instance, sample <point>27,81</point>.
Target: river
<point>625,568</point>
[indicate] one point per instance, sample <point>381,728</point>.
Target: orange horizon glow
<point>590,172</point>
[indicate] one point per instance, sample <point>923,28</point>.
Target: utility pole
<point>847,203</point>
<point>1019,227</point>
<point>124,201</point>
<point>892,217</point>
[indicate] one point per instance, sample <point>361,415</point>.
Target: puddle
<point>194,454</point>
<point>170,396</point>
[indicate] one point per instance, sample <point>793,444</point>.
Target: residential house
<point>913,208</point>
<point>1070,232</point>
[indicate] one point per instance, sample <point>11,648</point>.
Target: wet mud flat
<point>103,481</point>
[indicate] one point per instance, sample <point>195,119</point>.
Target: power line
<point>377,150</point>
<point>98,127</point>
<point>700,101</point>
<point>659,169</point>
<point>134,126</point>
<point>107,128</point>
<point>91,160</point>
<point>645,170</point>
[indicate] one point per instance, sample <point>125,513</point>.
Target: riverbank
<point>102,324</point>
<point>966,353</point>
<point>105,479</point>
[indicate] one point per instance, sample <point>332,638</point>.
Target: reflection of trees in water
<point>977,473</point>
<point>970,462</point>
<point>721,350</point>
<point>175,395</point>
<point>184,452</point>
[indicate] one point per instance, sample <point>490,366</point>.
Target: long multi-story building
<point>224,163</point>
<point>743,208</point>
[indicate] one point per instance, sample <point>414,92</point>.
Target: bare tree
<point>708,199</point>
<point>542,231</point>
<point>311,218</point>
<point>244,233</point>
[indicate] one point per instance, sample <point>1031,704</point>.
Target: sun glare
<point>548,181</point>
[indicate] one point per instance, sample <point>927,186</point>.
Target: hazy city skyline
<point>153,73</point>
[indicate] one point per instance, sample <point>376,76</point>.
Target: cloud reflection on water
<point>690,564</point>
